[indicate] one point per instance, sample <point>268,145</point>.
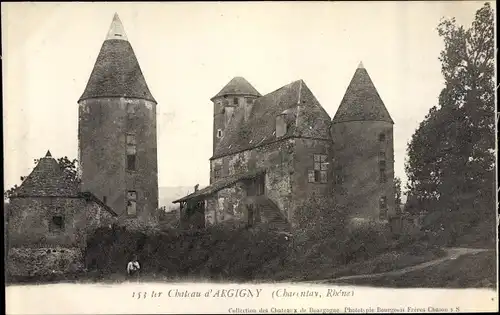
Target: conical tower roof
<point>238,86</point>
<point>361,101</point>
<point>117,72</point>
<point>47,179</point>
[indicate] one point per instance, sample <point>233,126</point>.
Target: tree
<point>69,167</point>
<point>450,158</point>
<point>397,191</point>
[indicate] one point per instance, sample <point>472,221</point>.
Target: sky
<point>189,51</point>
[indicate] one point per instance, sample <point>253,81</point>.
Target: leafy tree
<point>450,162</point>
<point>69,167</point>
<point>397,191</point>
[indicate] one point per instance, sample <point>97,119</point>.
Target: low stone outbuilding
<point>49,221</point>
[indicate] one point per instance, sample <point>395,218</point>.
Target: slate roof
<point>361,101</point>
<point>117,72</point>
<point>295,101</point>
<point>47,179</point>
<point>220,184</point>
<point>238,86</point>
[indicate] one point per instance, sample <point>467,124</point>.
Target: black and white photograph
<point>250,157</point>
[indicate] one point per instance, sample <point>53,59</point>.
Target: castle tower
<point>362,132</point>
<point>238,92</point>
<point>117,132</point>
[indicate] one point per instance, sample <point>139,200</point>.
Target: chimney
<point>196,187</point>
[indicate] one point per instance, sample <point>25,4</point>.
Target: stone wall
<point>38,261</point>
<point>103,127</point>
<point>30,218</point>
<point>357,152</point>
<point>303,162</point>
<point>276,158</point>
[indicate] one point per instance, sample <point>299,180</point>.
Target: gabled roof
<point>302,110</point>
<point>47,179</point>
<point>361,101</point>
<point>237,86</point>
<point>220,184</point>
<point>117,72</point>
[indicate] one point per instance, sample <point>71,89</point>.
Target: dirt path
<point>452,253</point>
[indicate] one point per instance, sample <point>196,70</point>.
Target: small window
<point>319,173</point>
<point>383,176</point>
<point>338,175</point>
<point>131,203</point>
<point>217,172</point>
<point>131,161</point>
<point>104,199</point>
<point>57,224</point>
<point>236,101</point>
<point>381,155</point>
<point>219,133</point>
<point>130,109</point>
<point>383,208</point>
<point>381,164</point>
<point>131,152</point>
<point>381,137</point>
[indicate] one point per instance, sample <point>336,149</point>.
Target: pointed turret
<point>48,155</point>
<point>117,72</point>
<point>116,30</point>
<point>361,101</point>
<point>237,86</point>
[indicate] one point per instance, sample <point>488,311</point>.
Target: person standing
<point>133,268</point>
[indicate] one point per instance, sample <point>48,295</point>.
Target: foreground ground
<point>460,268</point>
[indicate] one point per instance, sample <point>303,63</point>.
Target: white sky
<point>189,51</point>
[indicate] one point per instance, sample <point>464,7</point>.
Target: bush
<point>213,253</point>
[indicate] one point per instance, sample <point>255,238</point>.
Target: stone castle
<point>273,152</point>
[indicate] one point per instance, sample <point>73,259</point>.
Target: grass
<point>468,271</point>
<point>309,271</point>
<point>393,260</point>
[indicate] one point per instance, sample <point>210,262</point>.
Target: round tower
<point>238,92</point>
<point>117,133</point>
<point>362,132</point>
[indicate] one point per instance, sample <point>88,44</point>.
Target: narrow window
<point>319,173</point>
<point>381,155</point>
<point>217,172</point>
<point>383,176</point>
<point>131,152</point>
<point>383,208</point>
<point>104,199</point>
<point>250,212</point>
<point>56,224</point>
<point>236,101</point>
<point>338,175</point>
<point>131,203</point>
<point>381,137</point>
<point>219,133</point>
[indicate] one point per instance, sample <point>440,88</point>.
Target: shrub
<point>231,253</point>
